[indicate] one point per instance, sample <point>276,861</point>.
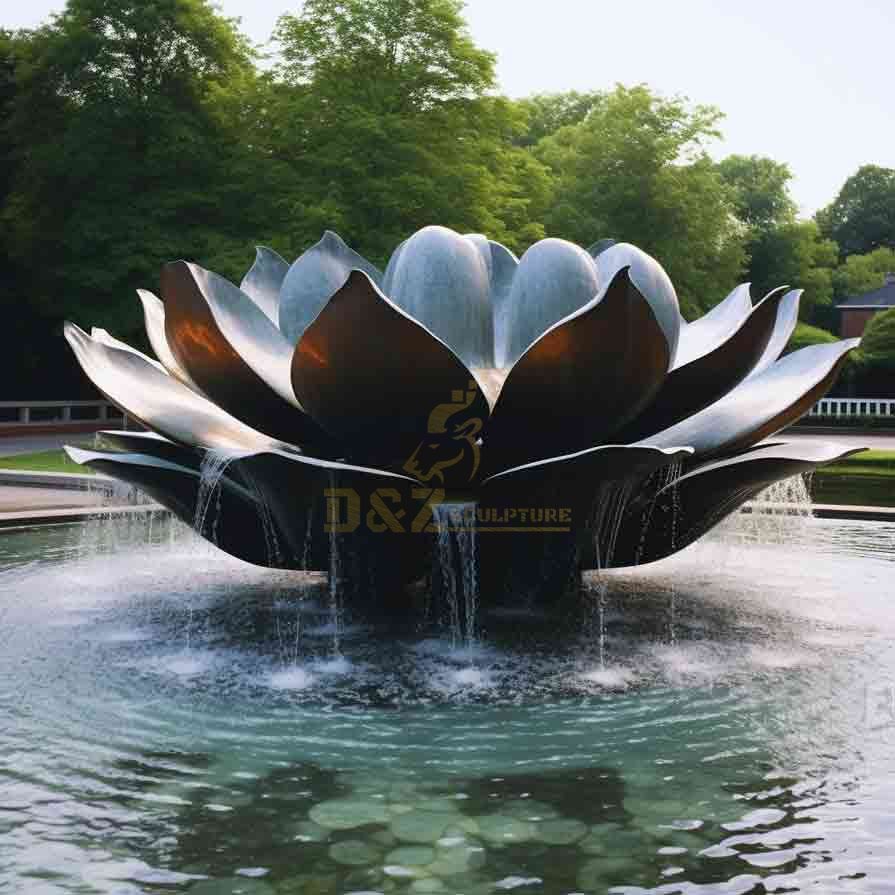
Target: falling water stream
<point>456,558</point>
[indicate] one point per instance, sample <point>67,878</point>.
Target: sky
<point>806,82</point>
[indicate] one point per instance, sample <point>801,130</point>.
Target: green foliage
<point>128,152</point>
<point>761,189</point>
<point>862,217</point>
<point>877,352</point>
<point>548,112</point>
<point>806,335</point>
<point>863,273</point>
<point>385,127</point>
<point>635,169</point>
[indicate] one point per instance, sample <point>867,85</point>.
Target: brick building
<point>855,312</point>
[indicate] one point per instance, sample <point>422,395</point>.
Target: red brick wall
<point>852,323</point>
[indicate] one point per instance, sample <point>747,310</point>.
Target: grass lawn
<point>876,463</point>
<point>44,461</point>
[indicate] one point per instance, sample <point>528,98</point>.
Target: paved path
<point>15,499</point>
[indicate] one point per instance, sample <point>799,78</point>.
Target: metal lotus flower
<point>563,393</point>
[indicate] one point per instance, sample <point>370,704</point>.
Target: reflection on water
<point>174,720</point>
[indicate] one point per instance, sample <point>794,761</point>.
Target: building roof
<point>878,298</point>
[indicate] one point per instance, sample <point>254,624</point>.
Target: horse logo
<point>453,439</point>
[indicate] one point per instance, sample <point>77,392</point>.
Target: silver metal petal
<point>104,337</point>
<point>715,327</point>
<point>554,278</point>
<point>235,354</point>
<point>690,387</point>
<point>443,280</point>
<point>651,281</point>
<point>154,319</point>
<point>600,246</point>
<point>580,381</point>
<point>158,401</point>
<point>763,404</point>
<point>264,280</point>
<point>379,381</point>
<point>317,274</point>
<point>680,512</point>
<point>787,318</point>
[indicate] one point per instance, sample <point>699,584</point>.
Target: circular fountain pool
<point>174,720</point>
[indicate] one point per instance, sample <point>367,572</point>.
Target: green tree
<point>120,104</point>
<point>635,169</point>
<point>875,360</point>
<point>806,335</point>
<point>548,112</point>
<point>385,123</point>
<point>863,273</point>
<point>761,190</point>
<point>862,217</point>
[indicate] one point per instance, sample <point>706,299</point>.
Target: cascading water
<point>456,559</point>
<point>212,468</point>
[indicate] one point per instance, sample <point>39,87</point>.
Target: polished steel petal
<point>381,382</point>
<point>787,318</point>
<point>104,337</point>
<point>554,278</point>
<point>235,354</point>
<point>679,512</point>
<point>762,405</point>
<point>154,319</point>
<point>313,278</point>
<point>157,400</point>
<point>693,386</point>
<point>264,280</point>
<point>443,280</point>
<point>704,335</point>
<point>583,379</point>
<point>280,510</point>
<point>650,280</point>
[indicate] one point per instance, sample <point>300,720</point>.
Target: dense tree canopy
<point>133,133</point>
<point>387,126</point>
<point>862,216</point>
<point>635,169</point>
<point>864,273</point>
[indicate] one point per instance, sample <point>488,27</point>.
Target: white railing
<point>15,414</point>
<point>881,407</point>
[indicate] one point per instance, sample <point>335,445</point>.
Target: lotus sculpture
<point>326,409</point>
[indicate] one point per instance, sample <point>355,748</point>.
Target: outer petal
<point>787,318</point>
<point>690,387</point>
<point>104,337</point>
<point>555,278</point>
<point>704,335</point>
<point>264,280</point>
<point>148,394</point>
<point>650,280</point>
<point>443,280</point>
<point>538,520</point>
<point>313,278</point>
<point>379,381</point>
<point>235,354</point>
<point>763,404</point>
<point>583,379</point>
<point>277,509</point>
<point>684,510</point>
<point>154,318</point>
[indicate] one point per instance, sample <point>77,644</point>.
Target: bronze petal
<point>580,381</point>
<point>381,382</point>
<point>235,354</point>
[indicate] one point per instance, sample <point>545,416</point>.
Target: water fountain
<point>178,718</point>
<point>328,409</point>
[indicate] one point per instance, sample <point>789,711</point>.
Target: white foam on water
<point>610,677</point>
<point>295,678</point>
